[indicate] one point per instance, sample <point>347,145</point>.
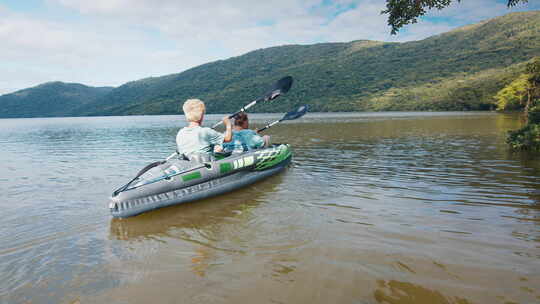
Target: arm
<point>227,136</point>
<point>266,139</point>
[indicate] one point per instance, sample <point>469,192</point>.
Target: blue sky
<point>110,42</point>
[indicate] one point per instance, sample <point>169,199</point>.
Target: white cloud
<point>115,41</point>
<point>235,25</point>
<point>37,50</point>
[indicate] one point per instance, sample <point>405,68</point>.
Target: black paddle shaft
<point>301,111</point>
<point>282,86</point>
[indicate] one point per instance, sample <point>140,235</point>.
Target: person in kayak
<point>243,138</point>
<point>196,142</point>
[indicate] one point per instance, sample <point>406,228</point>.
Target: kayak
<point>179,181</point>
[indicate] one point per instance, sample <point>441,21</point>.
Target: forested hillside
<point>50,99</point>
<point>459,70</point>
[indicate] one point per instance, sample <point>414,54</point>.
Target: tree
<point>533,92</point>
<point>403,12</point>
<point>514,95</point>
<point>524,91</point>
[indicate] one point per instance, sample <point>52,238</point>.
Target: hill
<point>458,70</point>
<point>50,99</point>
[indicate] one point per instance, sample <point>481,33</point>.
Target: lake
<point>375,208</point>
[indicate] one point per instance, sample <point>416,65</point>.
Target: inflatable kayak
<point>178,181</point>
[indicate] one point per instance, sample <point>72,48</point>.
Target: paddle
<point>150,166</point>
<point>295,114</point>
<point>282,86</point>
<point>289,116</point>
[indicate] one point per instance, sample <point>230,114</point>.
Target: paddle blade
<point>296,113</point>
<point>281,87</point>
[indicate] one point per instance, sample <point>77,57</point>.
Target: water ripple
<point>366,187</point>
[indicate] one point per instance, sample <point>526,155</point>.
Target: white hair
<point>194,109</point>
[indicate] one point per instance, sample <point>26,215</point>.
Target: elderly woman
<point>244,139</point>
<point>199,142</point>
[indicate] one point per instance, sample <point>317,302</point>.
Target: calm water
<point>376,208</point>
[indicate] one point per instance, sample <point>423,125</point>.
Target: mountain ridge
<point>458,70</point>
<point>56,97</point>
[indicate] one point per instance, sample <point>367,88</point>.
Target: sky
<point>111,42</point>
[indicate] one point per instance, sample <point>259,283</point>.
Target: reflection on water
<point>205,216</point>
<point>395,292</point>
<point>376,208</point>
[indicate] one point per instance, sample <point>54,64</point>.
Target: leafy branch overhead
<point>403,12</point>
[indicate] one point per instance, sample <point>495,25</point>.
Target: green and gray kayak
<point>178,181</point>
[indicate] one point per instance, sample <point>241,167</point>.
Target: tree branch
<point>403,12</point>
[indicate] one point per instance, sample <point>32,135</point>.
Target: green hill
<point>50,99</point>
<point>458,70</point>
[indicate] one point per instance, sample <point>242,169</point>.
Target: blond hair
<point>194,109</point>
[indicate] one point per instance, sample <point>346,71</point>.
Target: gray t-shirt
<point>197,140</point>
